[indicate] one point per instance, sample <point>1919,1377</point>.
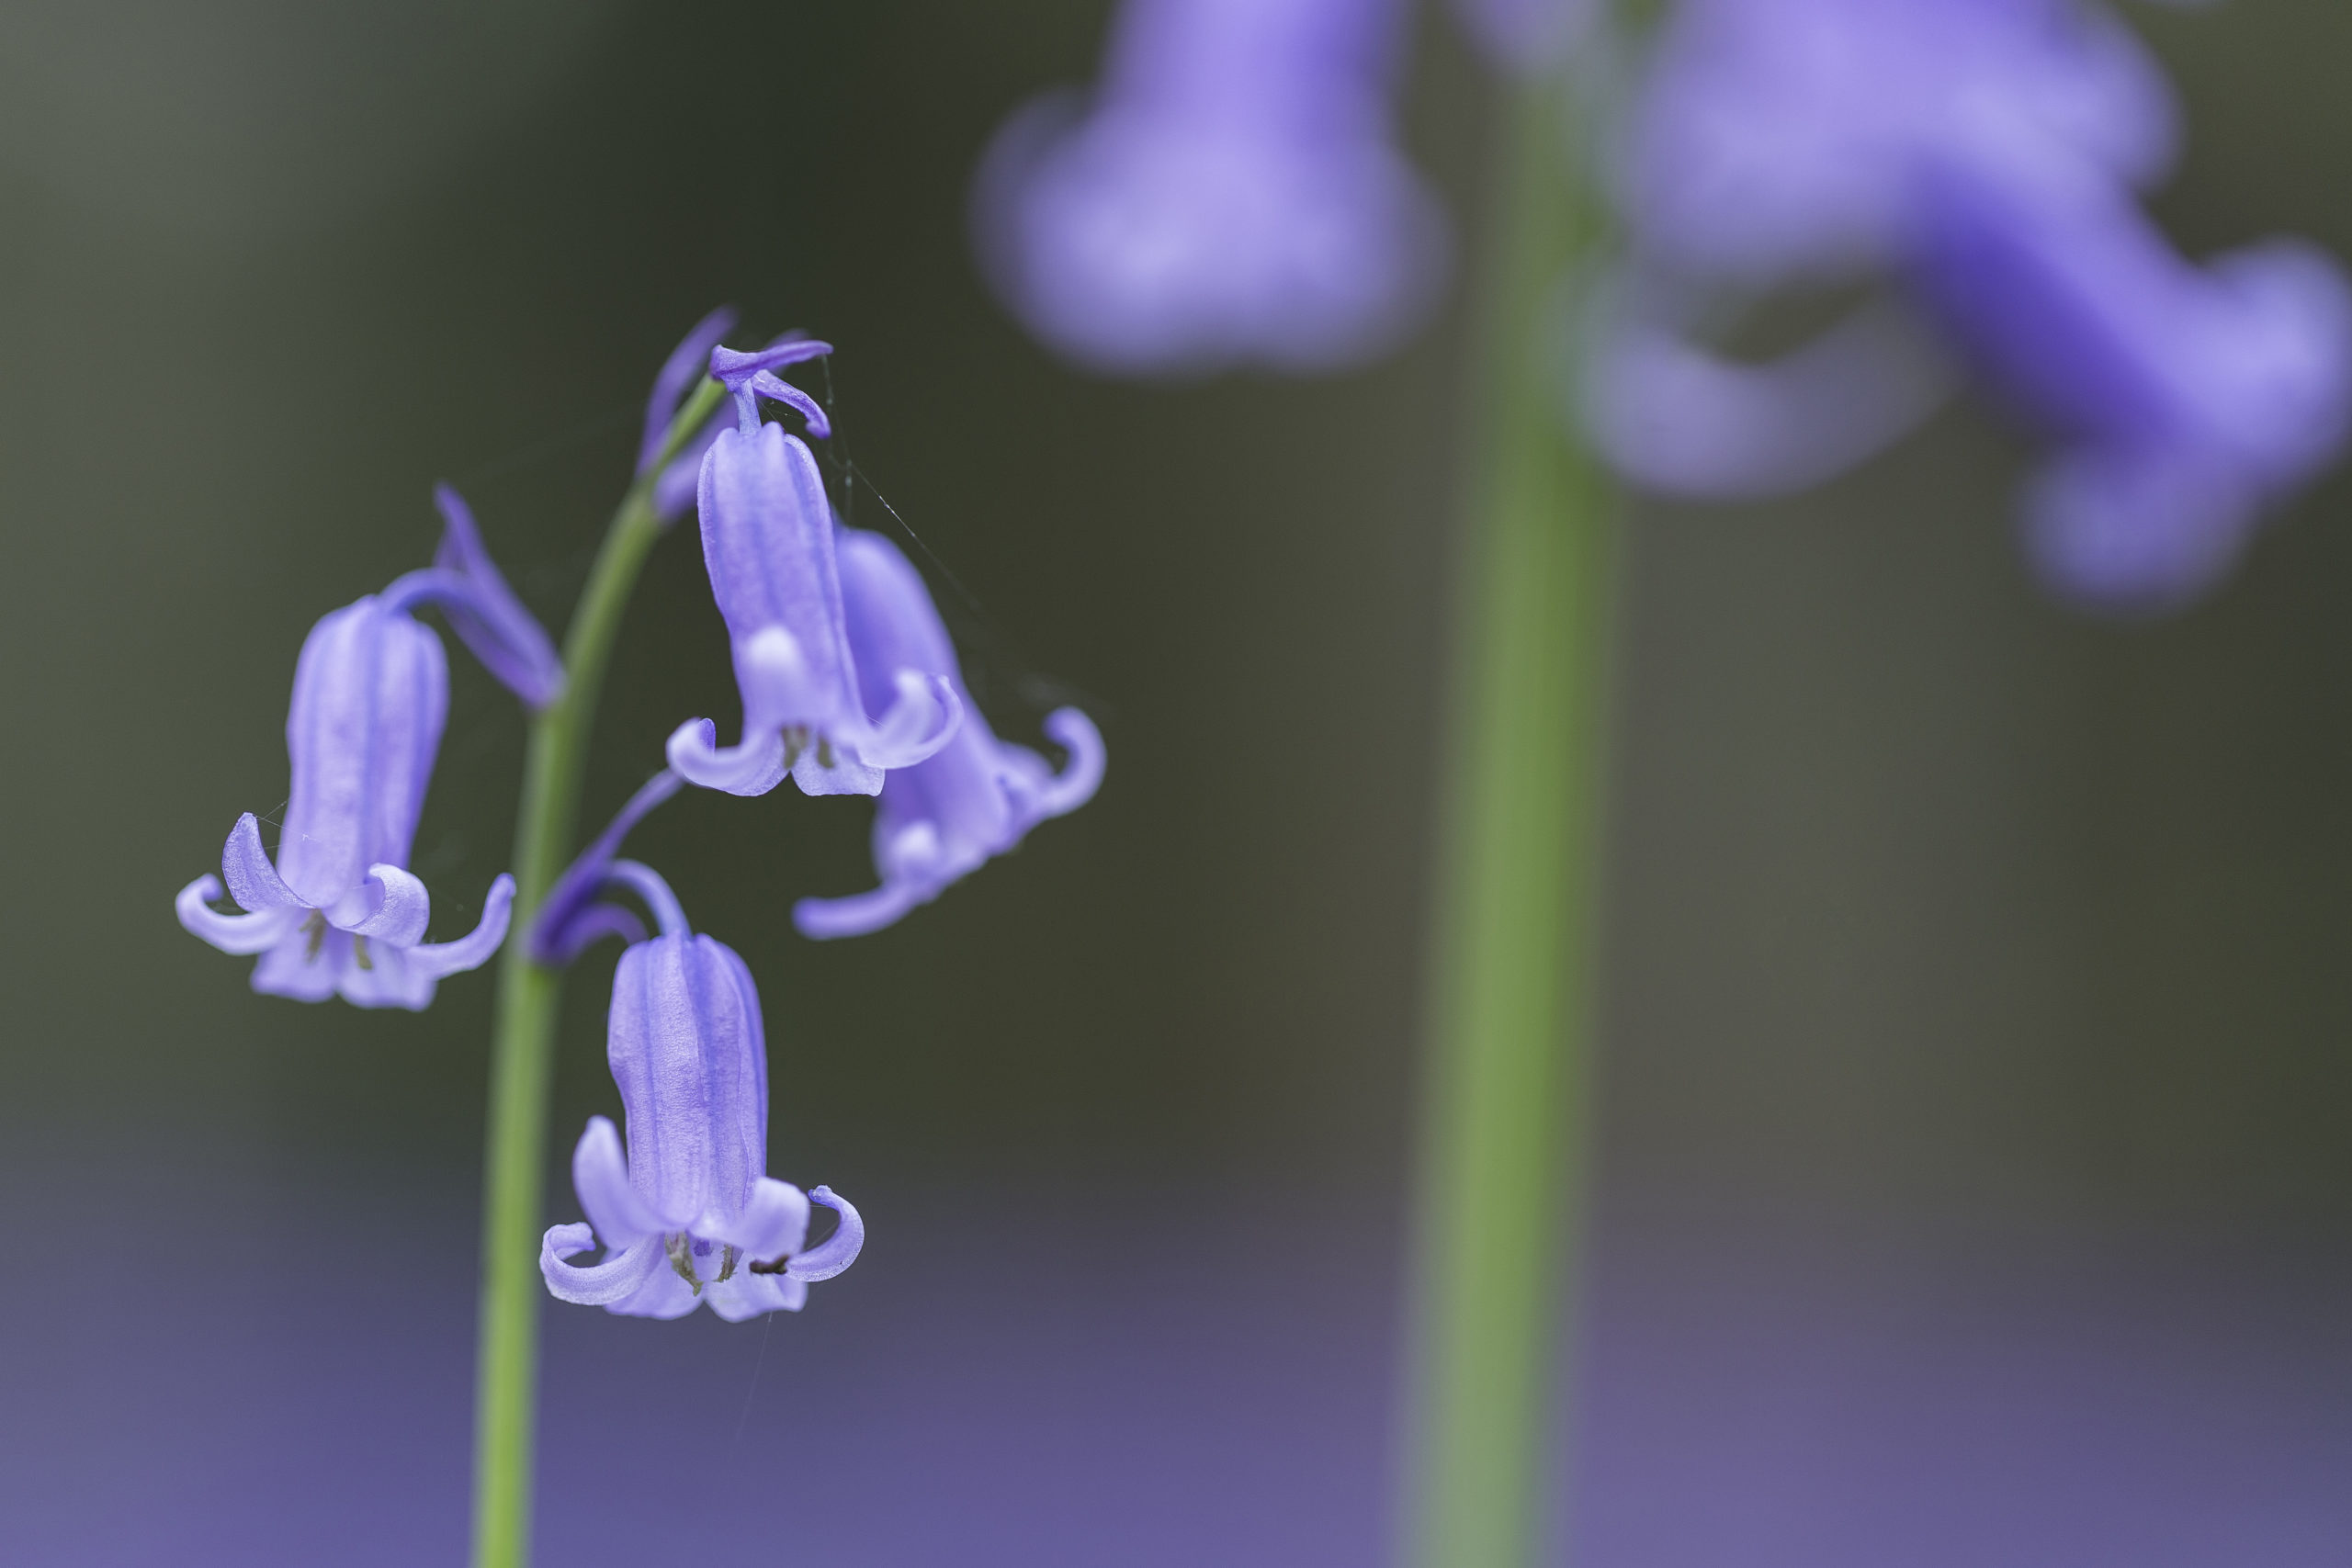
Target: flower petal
<point>1081,776</point>
<point>857,914</point>
<point>752,1295</point>
<point>773,1222</point>
<point>600,1177</point>
<point>923,720</point>
<point>253,881</point>
<point>1677,417</point>
<point>440,959</point>
<point>754,767</point>
<point>240,934</point>
<point>597,1284</point>
<point>304,964</point>
<point>837,1251</point>
<point>377,975</point>
<point>663,1293</point>
<point>391,907</point>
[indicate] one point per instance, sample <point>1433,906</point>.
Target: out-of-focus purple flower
<point>2183,399</point>
<point>1233,194</point>
<point>687,1214</point>
<point>768,538</point>
<point>339,912</point>
<point>1983,153</point>
<point>673,488</point>
<point>943,818</point>
<point>1780,139</point>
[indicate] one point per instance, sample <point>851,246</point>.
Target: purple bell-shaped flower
<point>339,912</point>
<point>767,539</point>
<point>688,1213</point>
<point>1234,194</point>
<point>1982,154</point>
<point>943,818</point>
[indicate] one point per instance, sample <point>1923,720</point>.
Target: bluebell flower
<point>339,911</point>
<point>939,820</point>
<point>1984,155</point>
<point>1232,195</point>
<point>688,1213</point>
<point>768,538</point>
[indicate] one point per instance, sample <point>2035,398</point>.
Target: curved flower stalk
<point>1233,194</point>
<point>339,912</point>
<point>1983,154</point>
<point>674,485</point>
<point>570,919</point>
<point>768,538</point>
<point>687,1215</point>
<point>939,820</point>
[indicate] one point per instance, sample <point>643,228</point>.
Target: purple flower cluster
<point>1985,156</point>
<point>1232,195</point>
<point>850,685</point>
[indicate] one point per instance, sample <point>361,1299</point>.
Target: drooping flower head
<point>1983,153</point>
<point>943,818</point>
<point>1233,194</point>
<point>768,538</point>
<point>339,912</point>
<point>686,1214</point>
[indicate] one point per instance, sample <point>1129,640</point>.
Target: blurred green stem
<point>1510,998</point>
<point>523,1050</point>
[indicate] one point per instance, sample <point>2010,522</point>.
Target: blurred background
<point>1973,1179</point>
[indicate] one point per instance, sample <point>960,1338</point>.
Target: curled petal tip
<point>391,907</point>
<point>600,1284</point>
<point>1075,733</point>
<point>240,934</point>
<point>253,881</point>
<point>859,914</point>
<point>754,767</point>
<point>920,722</point>
<point>837,1251</point>
<point>439,960</point>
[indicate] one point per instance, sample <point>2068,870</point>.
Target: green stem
<point>523,1050</point>
<point>1510,996</point>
